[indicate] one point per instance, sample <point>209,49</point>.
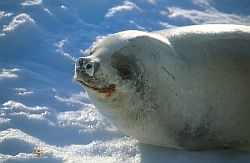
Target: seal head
<point>121,77</point>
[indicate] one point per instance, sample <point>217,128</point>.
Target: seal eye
<point>124,71</point>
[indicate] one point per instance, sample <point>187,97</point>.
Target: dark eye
<point>124,71</point>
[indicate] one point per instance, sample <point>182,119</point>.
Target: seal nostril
<point>88,66</point>
<point>80,62</point>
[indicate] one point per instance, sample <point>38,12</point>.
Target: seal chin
<point>107,89</point>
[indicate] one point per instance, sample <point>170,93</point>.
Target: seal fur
<point>184,88</point>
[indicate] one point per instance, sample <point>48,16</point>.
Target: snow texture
<point>44,115</point>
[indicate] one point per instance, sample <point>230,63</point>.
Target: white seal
<point>184,88</point>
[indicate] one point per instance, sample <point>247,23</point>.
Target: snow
<point>200,17</point>
<point>9,73</point>
<point>32,2</point>
<point>17,21</point>
<point>127,5</point>
<point>44,115</point>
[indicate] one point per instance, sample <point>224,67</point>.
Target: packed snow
<point>44,115</point>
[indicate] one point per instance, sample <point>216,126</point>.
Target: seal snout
<point>85,65</point>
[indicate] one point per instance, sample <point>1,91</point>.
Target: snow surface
<point>44,115</point>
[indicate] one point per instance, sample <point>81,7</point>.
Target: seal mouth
<point>108,89</point>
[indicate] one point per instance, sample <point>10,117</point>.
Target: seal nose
<point>84,64</point>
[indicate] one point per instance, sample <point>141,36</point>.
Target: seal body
<point>184,88</point>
